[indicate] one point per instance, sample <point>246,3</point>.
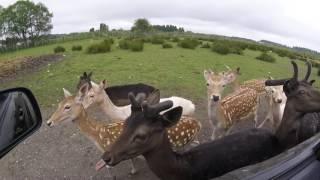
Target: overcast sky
<point>290,22</point>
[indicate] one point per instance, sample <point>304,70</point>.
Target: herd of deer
<point>139,122</point>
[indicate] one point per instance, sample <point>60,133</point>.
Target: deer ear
<point>66,93</point>
<point>83,90</point>
<point>312,81</point>
<point>103,84</point>
<point>154,97</point>
<point>171,117</point>
<point>206,74</point>
<point>94,84</point>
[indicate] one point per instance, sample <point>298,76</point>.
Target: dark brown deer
<point>301,118</point>
<point>119,94</point>
<point>144,133</point>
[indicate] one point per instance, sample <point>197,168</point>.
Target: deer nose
<point>215,98</point>
<point>49,123</point>
<point>279,100</point>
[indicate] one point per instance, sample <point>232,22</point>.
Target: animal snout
<point>279,100</point>
<point>49,123</point>
<point>215,98</point>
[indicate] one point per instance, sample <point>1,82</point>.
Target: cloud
<point>291,22</point>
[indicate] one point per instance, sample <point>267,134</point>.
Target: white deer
<point>97,96</point>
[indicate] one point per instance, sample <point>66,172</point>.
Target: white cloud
<point>290,22</point>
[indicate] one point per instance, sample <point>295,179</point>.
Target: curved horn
<point>295,70</point>
<point>277,82</point>
<point>308,71</point>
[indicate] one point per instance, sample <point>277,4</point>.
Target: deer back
<point>238,105</point>
<point>256,84</point>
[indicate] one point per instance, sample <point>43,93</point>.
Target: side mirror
<point>19,117</point>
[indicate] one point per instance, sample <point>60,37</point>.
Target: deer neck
<point>290,118</point>
<point>89,127</point>
<point>113,111</point>
<point>166,164</point>
<point>216,117</point>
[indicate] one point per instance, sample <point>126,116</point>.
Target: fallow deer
<point>302,100</point>
<point>236,106</point>
<point>144,134</point>
<point>118,94</point>
<point>104,134</point>
<point>96,95</point>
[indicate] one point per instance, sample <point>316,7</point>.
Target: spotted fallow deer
<point>96,95</point>
<point>104,134</point>
<point>144,134</point>
<point>236,106</point>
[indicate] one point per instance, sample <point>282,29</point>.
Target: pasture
<point>63,152</point>
<point>174,71</point>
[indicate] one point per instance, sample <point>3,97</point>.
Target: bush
<point>124,44</point>
<point>108,40</point>
<point>188,43</point>
<point>102,47</point>
<point>266,57</point>
<point>205,45</point>
<point>318,71</point>
<point>76,48</point>
<point>236,50</point>
<point>157,40</point>
<point>59,49</point>
<point>175,39</point>
<point>136,45</point>
<point>167,45</point>
<point>220,48</point>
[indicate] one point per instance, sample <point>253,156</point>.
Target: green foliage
<point>167,28</point>
<point>157,40</point>
<point>91,30</point>
<point>136,45</point>
<point>167,45</point>
<point>319,71</point>
<point>141,26</point>
<point>220,48</point>
<point>175,39</point>
<point>59,49</point>
<point>264,56</point>
<point>25,20</point>
<point>124,44</point>
<point>205,45</point>
<point>102,47</point>
<point>108,40</point>
<point>76,48</point>
<point>188,43</point>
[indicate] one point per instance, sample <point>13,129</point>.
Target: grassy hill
<point>175,71</point>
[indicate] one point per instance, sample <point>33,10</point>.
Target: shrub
<point>236,50</point>
<point>102,47</point>
<point>136,45</point>
<point>319,71</point>
<point>157,40</point>
<point>175,39</point>
<point>59,49</point>
<point>205,45</point>
<point>76,48</point>
<point>266,57</point>
<point>108,40</point>
<point>167,45</point>
<point>188,43</point>
<point>124,44</point>
<point>220,48</point>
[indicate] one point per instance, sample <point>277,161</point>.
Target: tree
<point>104,27</point>
<point>25,20</point>
<point>91,30</point>
<point>141,26</point>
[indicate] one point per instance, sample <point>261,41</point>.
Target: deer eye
<point>224,85</point>
<point>207,84</point>
<point>140,138</point>
<point>67,107</point>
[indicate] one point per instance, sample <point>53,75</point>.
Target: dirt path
<point>63,153</point>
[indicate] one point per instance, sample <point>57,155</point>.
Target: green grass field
<point>174,71</point>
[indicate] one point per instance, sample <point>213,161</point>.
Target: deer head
<point>85,79</point>
<point>277,94</point>
<point>94,95</point>
<point>68,110</point>
<point>143,130</point>
<point>216,82</point>
<point>302,98</point>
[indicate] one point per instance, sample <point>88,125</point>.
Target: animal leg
<point>133,168</point>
